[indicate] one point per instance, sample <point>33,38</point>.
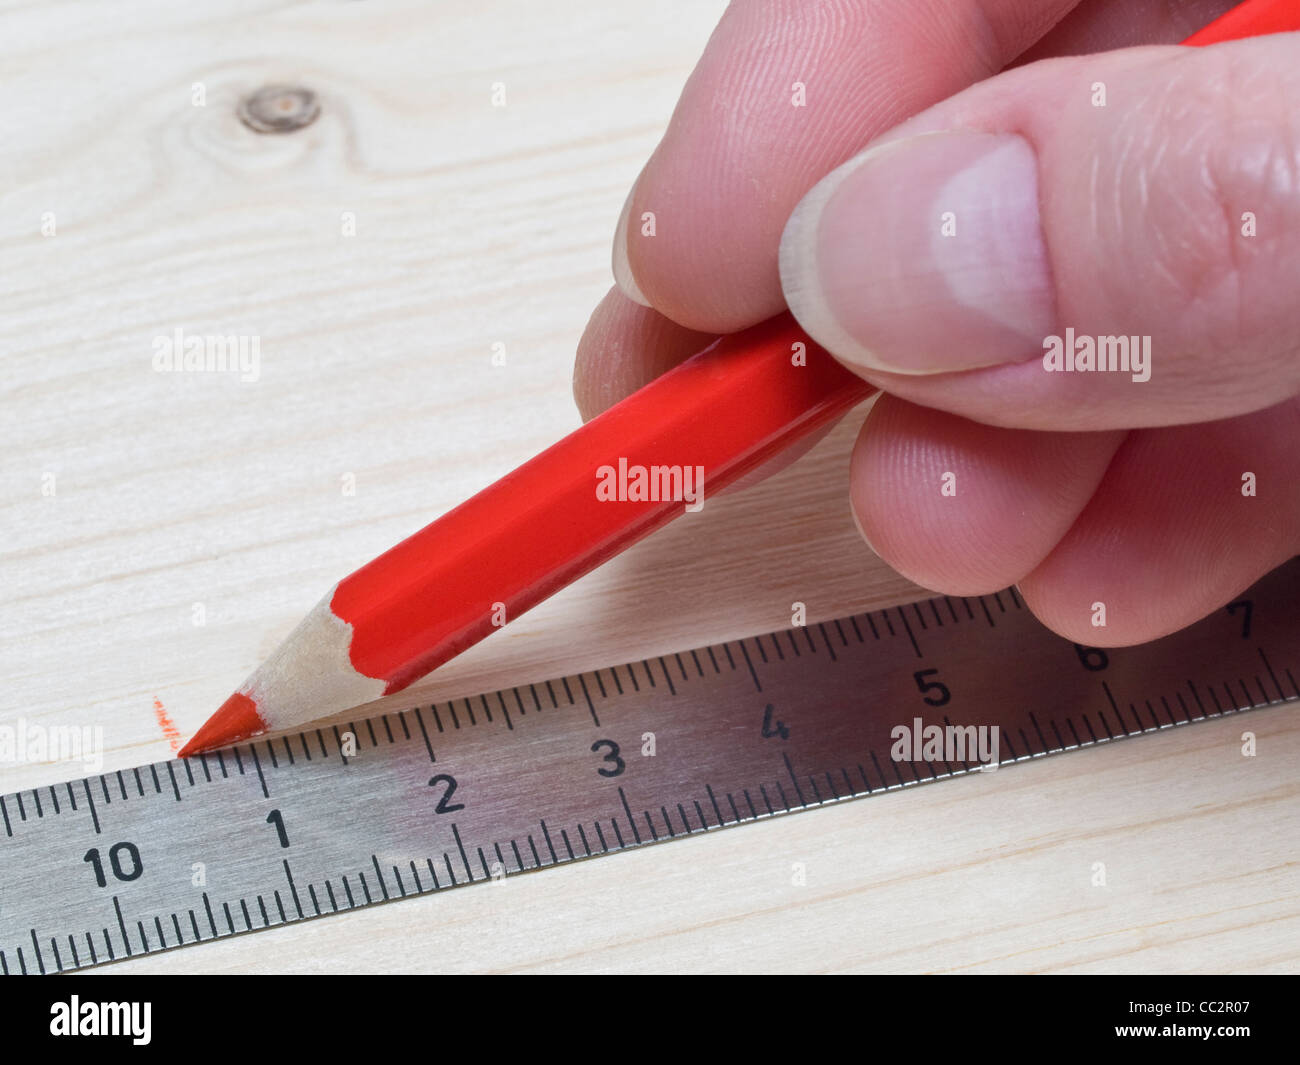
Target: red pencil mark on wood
<point>165,723</point>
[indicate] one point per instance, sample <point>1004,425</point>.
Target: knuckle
<point>1214,155</point>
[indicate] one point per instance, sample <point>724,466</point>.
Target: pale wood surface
<point>477,225</point>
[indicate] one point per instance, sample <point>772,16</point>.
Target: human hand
<point>1020,207</point>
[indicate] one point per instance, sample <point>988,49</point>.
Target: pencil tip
<point>236,720</point>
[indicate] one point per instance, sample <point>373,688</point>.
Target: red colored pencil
<point>1254,18</point>
<point>658,454</point>
<point>642,463</point>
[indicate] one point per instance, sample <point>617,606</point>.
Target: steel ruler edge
<point>294,826</point>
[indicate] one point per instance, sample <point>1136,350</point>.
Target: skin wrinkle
<point>1112,223</point>
<point>1216,148</point>
<point>1219,153</point>
<point>1229,162</point>
<point>1195,249</point>
<point>1283,166</point>
<point>1231,262</point>
<point>1094,176</point>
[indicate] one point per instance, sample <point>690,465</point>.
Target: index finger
<point>786,91</point>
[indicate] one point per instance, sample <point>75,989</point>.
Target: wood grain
<point>474,226</point>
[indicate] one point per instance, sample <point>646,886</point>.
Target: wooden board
<point>138,503</point>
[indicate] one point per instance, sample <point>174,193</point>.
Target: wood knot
<point>279,109</point>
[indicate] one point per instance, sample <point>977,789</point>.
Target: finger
<point>617,336</point>
<point>699,234</point>
<point>964,508</point>
<point>977,234</point>
<point>1173,532</point>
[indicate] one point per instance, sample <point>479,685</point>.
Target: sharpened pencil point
<point>236,720</point>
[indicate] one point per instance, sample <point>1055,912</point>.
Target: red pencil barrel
<point>1254,18</point>
<point>724,411</point>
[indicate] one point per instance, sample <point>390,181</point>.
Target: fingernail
<point>622,268</point>
<point>924,255</point>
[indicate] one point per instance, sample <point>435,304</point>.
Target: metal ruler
<point>344,816</point>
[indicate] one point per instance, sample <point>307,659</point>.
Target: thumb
<point>1135,210</point>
